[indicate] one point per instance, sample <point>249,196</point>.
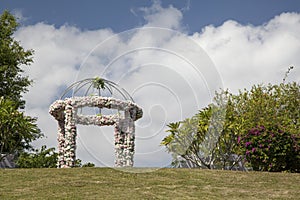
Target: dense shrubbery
<point>78,163</point>
<point>43,158</point>
<point>259,127</point>
<point>270,149</point>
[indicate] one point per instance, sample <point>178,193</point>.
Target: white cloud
<point>165,71</point>
<point>247,55</point>
<point>58,54</point>
<point>158,16</point>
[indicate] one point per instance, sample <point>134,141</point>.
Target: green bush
<point>88,165</point>
<point>44,158</point>
<point>209,138</point>
<point>271,149</point>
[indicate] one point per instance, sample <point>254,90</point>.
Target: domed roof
<point>96,87</point>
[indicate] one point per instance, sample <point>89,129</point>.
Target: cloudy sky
<point>170,56</point>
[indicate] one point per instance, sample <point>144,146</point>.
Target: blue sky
<point>179,53</point>
<point>125,14</point>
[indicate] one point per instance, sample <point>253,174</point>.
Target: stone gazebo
<point>68,113</point>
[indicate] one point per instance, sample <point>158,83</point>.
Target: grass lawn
<point>108,183</point>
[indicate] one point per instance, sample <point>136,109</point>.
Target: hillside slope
<point>108,183</point>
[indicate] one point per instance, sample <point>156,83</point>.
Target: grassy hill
<point>108,183</point>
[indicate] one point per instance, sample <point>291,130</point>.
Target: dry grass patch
<point>108,183</point>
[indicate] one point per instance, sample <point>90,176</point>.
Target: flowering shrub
<point>271,149</point>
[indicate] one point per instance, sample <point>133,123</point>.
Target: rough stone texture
<point>65,112</point>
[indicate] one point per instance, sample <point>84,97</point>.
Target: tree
<point>12,56</point>
<point>17,130</point>
<point>195,141</point>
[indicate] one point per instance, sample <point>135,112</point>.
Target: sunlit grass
<point>108,183</point>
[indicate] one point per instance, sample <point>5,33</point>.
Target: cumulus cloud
<point>158,16</point>
<point>247,55</point>
<point>169,74</point>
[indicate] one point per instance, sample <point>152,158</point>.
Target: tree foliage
<point>17,130</point>
<point>12,57</point>
<point>196,141</point>
<point>271,106</point>
<point>185,138</point>
<point>220,144</point>
<point>43,158</point>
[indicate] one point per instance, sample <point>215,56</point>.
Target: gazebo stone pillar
<point>124,142</point>
<point>65,112</point>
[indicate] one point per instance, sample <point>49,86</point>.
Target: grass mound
<point>108,183</point>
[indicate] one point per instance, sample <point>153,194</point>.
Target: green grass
<point>108,183</point>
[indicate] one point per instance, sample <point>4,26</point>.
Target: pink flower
<point>239,139</point>
<point>248,143</point>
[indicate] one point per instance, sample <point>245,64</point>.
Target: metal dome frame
<point>98,83</point>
